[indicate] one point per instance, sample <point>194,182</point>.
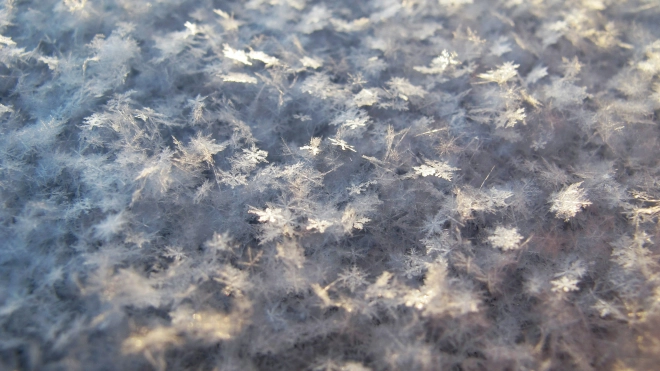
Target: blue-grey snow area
<point>460,185</point>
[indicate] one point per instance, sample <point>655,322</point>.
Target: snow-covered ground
<point>330,185</point>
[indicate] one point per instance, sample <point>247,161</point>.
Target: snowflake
<point>351,220</point>
<point>414,264</point>
<point>312,63</point>
<point>242,78</point>
<point>435,225</point>
<point>352,278</point>
<point>567,202</point>
<point>357,122</point>
<point>511,117</point>
<point>319,225</point>
<point>255,155</point>
<point>269,215</point>
<point>501,47</point>
<point>237,55</point>
<point>505,238</point>
<point>502,74</point>
<point>424,170</point>
<point>341,143</point>
<point>606,309</point>
<point>111,225</point>
<point>219,242</point>
<point>175,253</point>
<point>439,64</point>
<point>228,22</point>
<point>405,89</point>
<point>235,280</point>
<point>564,284</point>
<point>436,168</point>
<point>205,147</point>
<point>419,299</point>
<point>630,253</point>
<point>96,120</point>
<point>231,178</point>
<point>263,57</point>
<point>313,146</point>
<point>356,189</point>
<point>366,97</point>
<point>536,74</point>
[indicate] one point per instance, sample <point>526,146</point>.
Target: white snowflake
<point>505,238</point>
<point>352,278</point>
<point>263,57</point>
<point>435,168</point>
<point>440,64</point>
<point>564,284</point>
<point>219,242</point>
<point>174,252</point>
<point>502,74</point>
<point>255,155</point>
<point>238,77</point>
<point>312,63</point>
<point>366,97</point>
<point>313,146</point>
<point>341,143</point>
<point>237,55</point>
<point>269,215</point>
<point>405,89</point>
<point>424,170</point>
<point>319,225</point>
<point>570,200</point>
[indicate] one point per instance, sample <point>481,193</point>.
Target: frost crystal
<point>505,238</point>
<point>330,185</point>
<point>440,64</point>
<point>342,144</point>
<point>565,284</point>
<point>503,74</point>
<point>404,88</point>
<point>269,215</point>
<point>319,225</point>
<point>366,97</point>
<point>313,146</point>
<point>263,57</point>
<point>239,77</point>
<point>310,62</point>
<point>569,201</point>
<point>236,55</point>
<point>436,168</point>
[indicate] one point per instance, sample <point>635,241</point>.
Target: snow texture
<point>329,185</point>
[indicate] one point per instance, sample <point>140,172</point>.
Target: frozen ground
<point>340,185</point>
